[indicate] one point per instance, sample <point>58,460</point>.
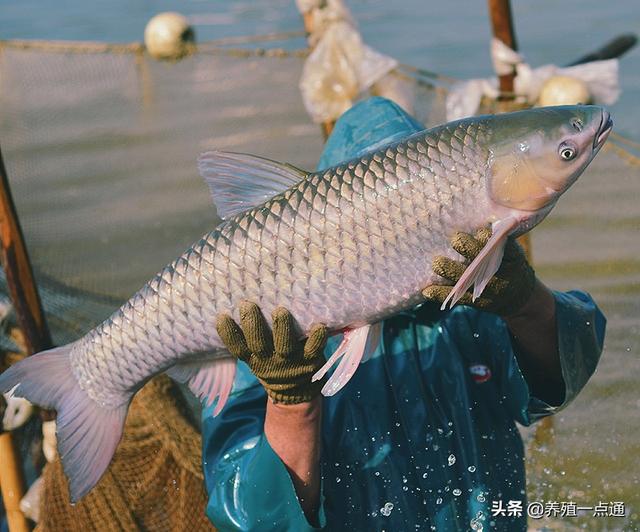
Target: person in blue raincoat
<point>424,436</point>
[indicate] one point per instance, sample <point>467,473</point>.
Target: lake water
<point>590,241</point>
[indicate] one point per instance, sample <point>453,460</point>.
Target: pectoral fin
<point>357,346</point>
<point>485,265</point>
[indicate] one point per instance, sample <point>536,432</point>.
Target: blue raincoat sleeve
<point>581,328</point>
<point>249,487</point>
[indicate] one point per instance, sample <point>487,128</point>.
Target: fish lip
<point>606,124</point>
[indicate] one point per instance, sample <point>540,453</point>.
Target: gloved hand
<point>283,363</point>
<point>508,290</point>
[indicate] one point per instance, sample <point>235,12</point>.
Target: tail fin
<point>87,433</point>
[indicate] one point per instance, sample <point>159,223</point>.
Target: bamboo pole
<point>28,309</point>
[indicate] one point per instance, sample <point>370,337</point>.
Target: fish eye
<point>567,151</point>
<point>577,124</point>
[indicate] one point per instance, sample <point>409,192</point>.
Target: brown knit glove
<point>282,361</point>
<point>509,289</point>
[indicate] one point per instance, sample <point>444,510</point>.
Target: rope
<point>427,73</point>
<point>254,52</point>
<point>92,47</point>
<point>78,47</point>
<point>265,37</point>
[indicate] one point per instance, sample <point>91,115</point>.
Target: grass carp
<point>347,246</point>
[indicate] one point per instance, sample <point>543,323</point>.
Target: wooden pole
<point>502,25</point>
<point>12,484</point>
<point>19,274</point>
<point>28,309</point>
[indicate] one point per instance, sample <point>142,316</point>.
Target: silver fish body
<point>347,247</point>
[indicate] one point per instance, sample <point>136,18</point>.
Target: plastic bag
<point>340,67</point>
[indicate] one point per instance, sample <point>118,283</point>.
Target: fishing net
<point>154,482</point>
<point>101,153</point>
<point>100,144</point>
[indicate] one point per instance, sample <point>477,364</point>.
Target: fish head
<point>536,155</point>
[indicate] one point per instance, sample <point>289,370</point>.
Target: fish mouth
<point>603,131</point>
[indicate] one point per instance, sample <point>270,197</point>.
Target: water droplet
<point>386,509</point>
<point>436,447</point>
<point>471,469</point>
<point>337,479</point>
<point>404,480</point>
<point>457,492</point>
<point>451,460</point>
<point>476,335</point>
<point>439,500</point>
<point>523,146</point>
<point>424,475</point>
<point>480,497</point>
<point>405,488</point>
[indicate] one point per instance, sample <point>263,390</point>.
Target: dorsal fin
<point>238,181</point>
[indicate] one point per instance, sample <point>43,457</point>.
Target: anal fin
<point>207,379</point>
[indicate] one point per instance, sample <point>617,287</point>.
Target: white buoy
<point>168,36</point>
<point>564,90</point>
<point>17,413</point>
